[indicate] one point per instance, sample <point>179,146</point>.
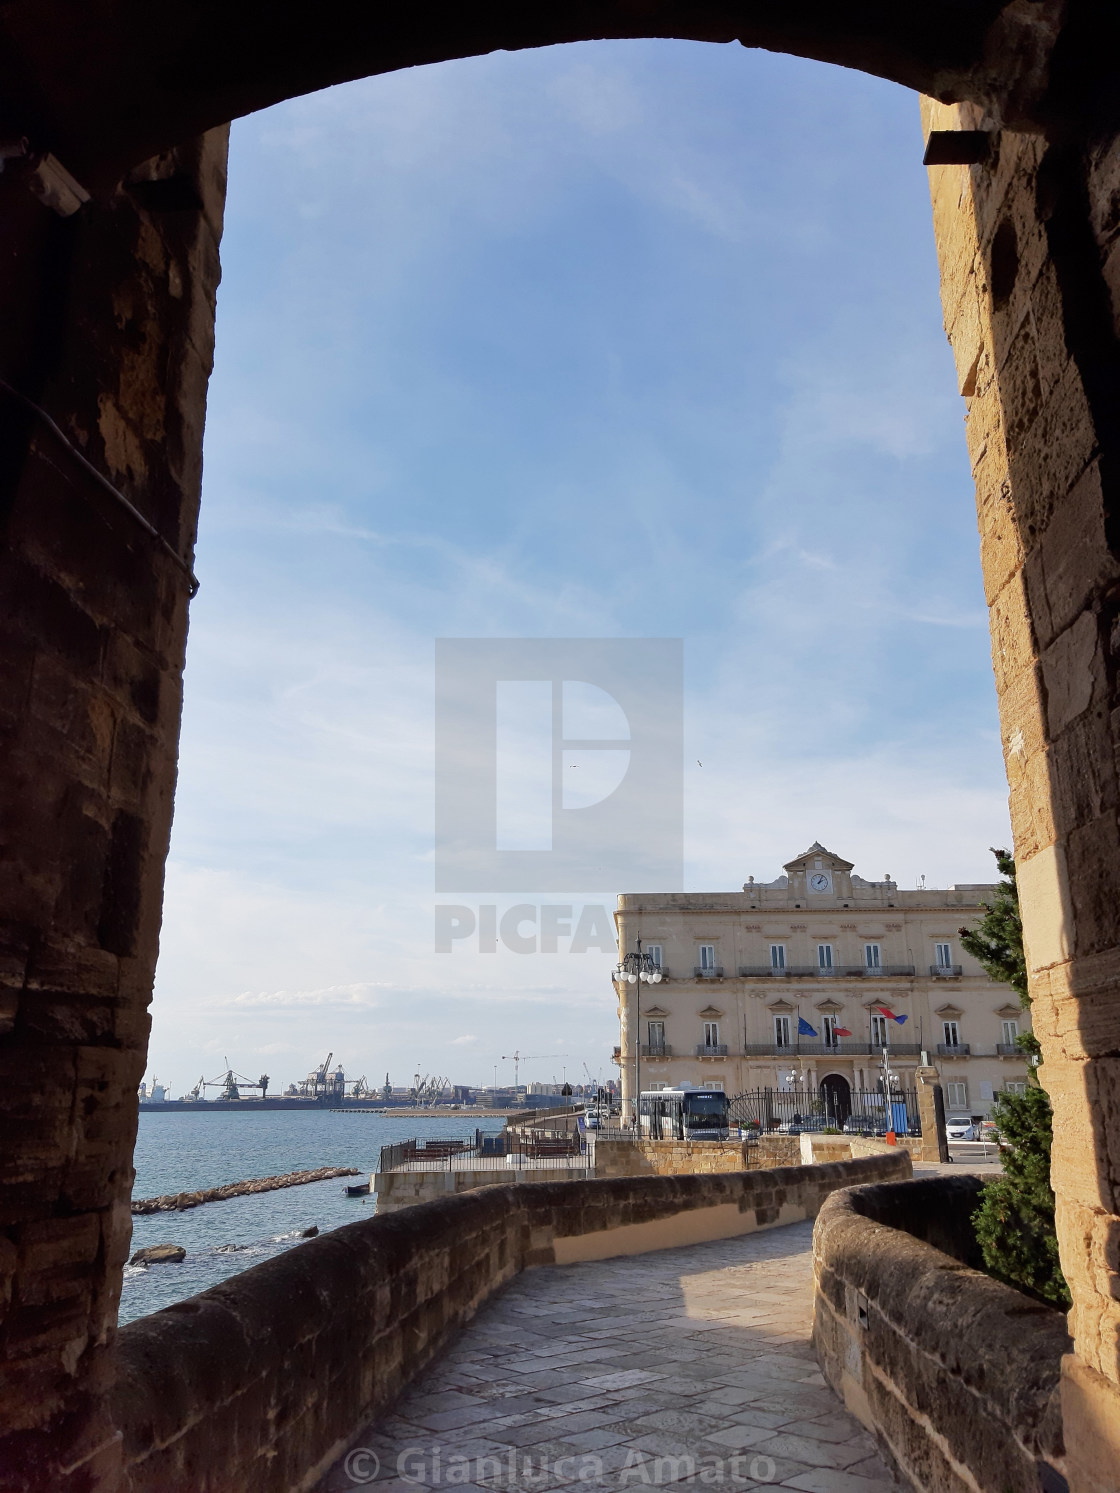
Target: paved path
<point>688,1367</point>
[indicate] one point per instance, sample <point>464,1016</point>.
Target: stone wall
<point>957,1374</point>
<point>1029,245</point>
<point>264,1380</point>
<point>668,1158</point>
<point>396,1190</point>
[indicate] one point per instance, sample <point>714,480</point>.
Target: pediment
<point>828,1008</point>
<point>951,1012</point>
<point>710,1013</point>
<point>655,1011</point>
<point>779,1007</point>
<point>1008,1012</point>
<point>817,852</point>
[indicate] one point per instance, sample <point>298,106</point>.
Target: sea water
<point>187,1150</point>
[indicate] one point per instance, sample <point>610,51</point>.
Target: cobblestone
<point>684,1368</point>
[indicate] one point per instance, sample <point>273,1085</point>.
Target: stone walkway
<point>688,1367</point>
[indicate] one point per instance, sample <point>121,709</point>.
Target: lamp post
<point>635,969</point>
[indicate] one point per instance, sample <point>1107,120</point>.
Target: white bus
<point>685,1113</point>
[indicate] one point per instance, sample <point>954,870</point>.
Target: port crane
<point>517,1058</point>
<point>230,1083</point>
<point>321,1083</point>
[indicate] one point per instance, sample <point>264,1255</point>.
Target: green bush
<point>1015,1220</point>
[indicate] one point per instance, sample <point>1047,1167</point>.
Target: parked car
<point>960,1127</point>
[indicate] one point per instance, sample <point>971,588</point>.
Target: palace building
<point>803,981</point>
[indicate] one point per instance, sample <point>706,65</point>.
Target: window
<point>872,956</point>
<point>1010,1033</point>
<point>711,1034</point>
<point>824,955</point>
<point>717,1085</point>
<point>830,1024</point>
<point>1015,1086</point>
<point>943,955</point>
<point>781,1031</point>
<point>707,956</point>
<point>656,1031</point>
<point>777,956</point>
<point>956,1096</point>
<point>654,952</point>
<point>880,1032</point>
<point>950,1034</point>
<point>657,1087</point>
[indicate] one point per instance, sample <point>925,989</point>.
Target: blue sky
<point>610,340</point>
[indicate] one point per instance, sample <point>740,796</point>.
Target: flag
<point>890,1015</point>
<point>804,1029</point>
<point>841,1031</point>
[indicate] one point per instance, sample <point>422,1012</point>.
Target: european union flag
<point>804,1029</point>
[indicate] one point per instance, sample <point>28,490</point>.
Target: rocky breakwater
<point>177,1202</point>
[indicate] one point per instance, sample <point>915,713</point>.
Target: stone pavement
<point>688,1367</point>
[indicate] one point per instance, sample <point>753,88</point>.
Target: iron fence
<point>488,1153</point>
<point>859,1111</point>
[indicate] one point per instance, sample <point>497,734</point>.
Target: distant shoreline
<point>309,1106</point>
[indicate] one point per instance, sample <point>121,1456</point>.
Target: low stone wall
<point>264,1380</point>
<point>816,1147</point>
<point>673,1158</point>
<point>956,1373</point>
<point>668,1158</point>
<point>396,1190</point>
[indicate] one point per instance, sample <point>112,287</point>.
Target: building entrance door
<point>836,1092</point>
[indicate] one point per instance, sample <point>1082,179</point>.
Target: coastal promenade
<point>686,1367</point>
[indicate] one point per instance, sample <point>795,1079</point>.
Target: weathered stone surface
<point>956,1373</point>
<point>159,1254</point>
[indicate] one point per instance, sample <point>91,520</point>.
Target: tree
<point>997,940</point>
<point>1015,1220</point>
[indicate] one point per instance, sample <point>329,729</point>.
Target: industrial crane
<point>231,1084</point>
<point>517,1058</point>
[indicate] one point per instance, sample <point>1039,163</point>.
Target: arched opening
<point>109,335</point>
<point>836,1092</point>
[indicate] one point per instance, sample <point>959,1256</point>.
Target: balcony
<point>945,971</point>
<point>717,1050</point>
<point>657,1050</point>
<point>953,1050</point>
<point>701,973</point>
<point>831,971</point>
<point>1009,1050</point>
<point>845,1047</point>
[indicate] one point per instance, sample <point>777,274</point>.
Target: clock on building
<point>820,881</point>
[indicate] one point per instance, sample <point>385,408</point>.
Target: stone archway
<point>836,1091</point>
<point>107,335</point>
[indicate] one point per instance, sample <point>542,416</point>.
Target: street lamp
<point>635,969</point>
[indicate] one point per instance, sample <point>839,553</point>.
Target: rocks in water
<point>311,1232</point>
<point>229,1249</point>
<point>159,1254</point>
<point>178,1201</point>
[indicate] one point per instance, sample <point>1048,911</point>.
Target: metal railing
<point>1009,1050</point>
<point>859,1111</point>
<point>829,971</point>
<point>701,972</point>
<point>838,1048</point>
<point>946,971</point>
<point>657,1050</point>
<point>523,1150</point>
<point>953,1049</point>
<point>711,1049</point>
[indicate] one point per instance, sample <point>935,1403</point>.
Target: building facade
<point>802,982</point>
